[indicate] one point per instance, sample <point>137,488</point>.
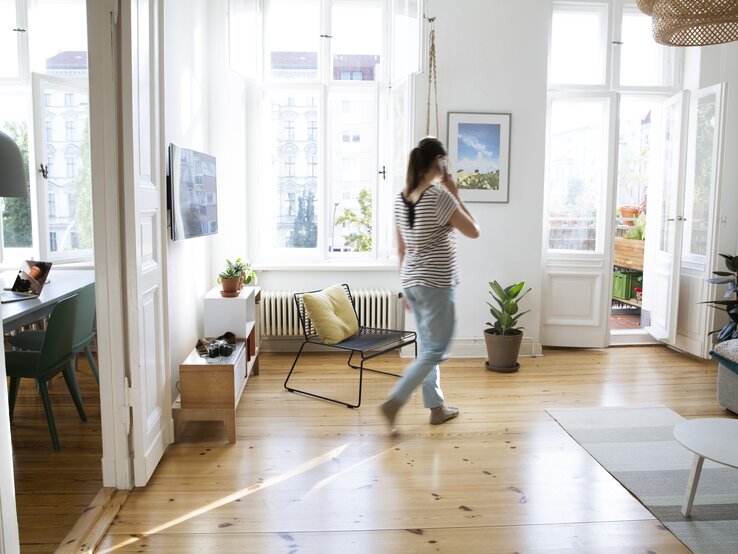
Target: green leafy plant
<point>506,313</point>
<point>231,271</point>
<point>245,269</point>
<point>729,303</point>
<point>638,231</point>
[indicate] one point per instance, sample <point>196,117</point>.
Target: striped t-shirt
<point>430,244</point>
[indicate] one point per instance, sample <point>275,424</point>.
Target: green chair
<point>53,357</point>
<point>84,330</point>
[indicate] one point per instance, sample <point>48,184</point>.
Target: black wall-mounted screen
<point>192,193</point>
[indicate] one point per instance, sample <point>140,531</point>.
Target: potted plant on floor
<point>503,337</point>
<point>229,279</point>
<point>729,303</point>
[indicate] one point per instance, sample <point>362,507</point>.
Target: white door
<point>144,237</point>
<point>701,210</point>
<point>577,251</point>
<point>665,221</point>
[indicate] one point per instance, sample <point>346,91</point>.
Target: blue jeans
<point>434,310</point>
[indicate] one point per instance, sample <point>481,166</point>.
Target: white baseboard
<point>460,347</point>
<point>476,348</point>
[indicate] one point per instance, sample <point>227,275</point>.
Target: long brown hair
<point>422,158</point>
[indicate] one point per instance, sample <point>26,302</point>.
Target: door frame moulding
<point>104,61</point>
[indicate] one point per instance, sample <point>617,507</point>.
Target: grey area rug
<point>637,447</point>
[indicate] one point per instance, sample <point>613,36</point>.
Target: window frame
<point>264,252</point>
<point>557,90</point>
<point>22,85</point>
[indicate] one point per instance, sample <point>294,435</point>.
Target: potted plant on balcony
<point>503,337</point>
<point>229,279</point>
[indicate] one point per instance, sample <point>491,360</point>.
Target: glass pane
<point>17,229</point>
<point>69,200</point>
<point>294,169</point>
<point>643,62</point>
<point>578,40</point>
<point>58,44</point>
<point>356,46</point>
<point>698,198</point>
<point>577,172</point>
<point>634,151</point>
<point>293,39</point>
<point>670,178</point>
<point>352,144</point>
<point>8,41</point>
<point>242,33</point>
<point>405,38</point>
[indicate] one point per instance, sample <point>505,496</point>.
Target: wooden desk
<point>61,284</point>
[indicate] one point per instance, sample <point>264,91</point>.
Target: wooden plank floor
<point>310,476</point>
<point>54,488</point>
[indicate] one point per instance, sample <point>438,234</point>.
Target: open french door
<point>144,237</point>
<point>684,220</point>
<point>665,221</point>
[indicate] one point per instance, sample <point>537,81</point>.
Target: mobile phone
<point>443,166</point>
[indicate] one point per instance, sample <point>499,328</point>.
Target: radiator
<point>380,308</point>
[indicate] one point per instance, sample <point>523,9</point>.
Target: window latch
<point>43,170</point>
<point>383,173</point>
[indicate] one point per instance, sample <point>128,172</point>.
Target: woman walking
<point>427,214</point>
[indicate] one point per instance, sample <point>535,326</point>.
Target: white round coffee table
<point>713,438</point>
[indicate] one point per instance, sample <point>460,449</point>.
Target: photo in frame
<point>479,155</point>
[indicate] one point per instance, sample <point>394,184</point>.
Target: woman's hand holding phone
<point>446,178</point>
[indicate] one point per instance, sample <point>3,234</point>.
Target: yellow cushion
<point>332,314</point>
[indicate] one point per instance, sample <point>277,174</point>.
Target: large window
<point>324,70</point>
<point>44,107</point>
<point>603,61</point>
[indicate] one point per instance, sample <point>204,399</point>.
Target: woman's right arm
<point>461,219</point>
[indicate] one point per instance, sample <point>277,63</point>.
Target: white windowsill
<point>328,265</point>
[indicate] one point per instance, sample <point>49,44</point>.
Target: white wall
<point>491,58</point>
<point>203,111</point>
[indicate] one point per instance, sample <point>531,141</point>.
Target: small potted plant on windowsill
<point>503,337</point>
<point>229,279</point>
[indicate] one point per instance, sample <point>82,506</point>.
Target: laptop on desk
<point>29,283</point>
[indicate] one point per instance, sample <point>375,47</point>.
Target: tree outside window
<point>360,239</point>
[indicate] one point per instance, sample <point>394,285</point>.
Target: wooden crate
<point>628,253</point>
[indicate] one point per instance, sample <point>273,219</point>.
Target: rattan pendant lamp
<point>692,22</point>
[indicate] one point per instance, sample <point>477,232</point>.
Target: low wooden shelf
<point>211,388</point>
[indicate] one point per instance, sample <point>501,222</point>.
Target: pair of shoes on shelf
<point>389,409</point>
<point>441,414</point>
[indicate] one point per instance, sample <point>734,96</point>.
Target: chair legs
<point>363,359</point>
<point>93,365</point>
<point>71,379</point>
<point>348,405</point>
<point>49,414</point>
<point>13,394</point>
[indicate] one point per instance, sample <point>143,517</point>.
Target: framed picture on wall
<point>479,155</point>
